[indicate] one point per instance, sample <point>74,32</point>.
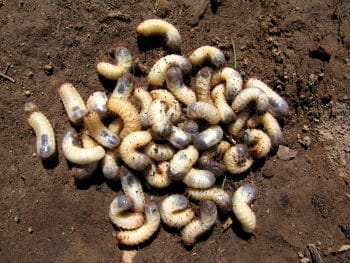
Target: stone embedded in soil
<point>305,142</point>
<point>285,153</point>
<point>48,69</point>
<point>30,230</point>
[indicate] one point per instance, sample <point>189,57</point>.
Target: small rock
<point>285,153</point>
<point>48,69</point>
<point>344,248</point>
<point>305,142</point>
<point>30,74</point>
<point>16,219</point>
<point>305,128</point>
<point>305,260</point>
<point>30,230</point>
<point>300,254</point>
<point>27,93</point>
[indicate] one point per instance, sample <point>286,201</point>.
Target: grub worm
<point>217,195</point>
<point>235,128</point>
<point>207,53</point>
<point>158,119</point>
<point>124,87</point>
<point>232,79</point>
<point>97,102</point>
<point>203,110</point>
<point>259,142</point>
<point>116,126</point>
<point>248,95</point>
<point>175,211</point>
<point>241,199</point>
<point>202,85</point>
<point>110,167</point>
<point>208,137</point>
<point>182,162</point>
<point>174,110</point>
<point>73,103</point>
<point>225,111</point>
<point>152,27</point>
<point>157,175</point>
<point>237,159</point>
<point>123,61</point>
<point>199,179</point>
<point>145,100</point>
<point>178,138</point>
<point>159,152</point>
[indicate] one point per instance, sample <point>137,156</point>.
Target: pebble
<point>305,260</point>
<point>48,69</point>
<point>16,219</point>
<point>305,128</point>
<point>30,230</point>
<point>285,153</point>
<point>27,93</point>
<point>306,141</point>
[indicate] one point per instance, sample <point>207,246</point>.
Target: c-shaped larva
<point>199,179</point>
<point>76,154</point>
<point>182,162</point>
<point>208,137</point>
<point>225,111</point>
<point>233,81</point>
<point>217,195</point>
<point>158,119</point>
<point>124,87</point>
<point>178,138</point>
<point>159,152</point>
<point>143,233</point>
<point>160,27</point>
<point>197,227</point>
<point>97,102</point>
<point>110,167</point>
<point>121,216</point>
<point>237,159</point>
<point>157,175</point>
<point>175,84</point>
<point>45,135</point>
<point>235,128</point>
<point>157,74</point>
<point>73,103</point>
<point>123,61</point>
<point>259,142</point>
<point>202,86</point>
<point>128,113</point>
<point>205,53</point>
<point>174,110</point>
<point>145,99</point>
<point>277,104</point>
<point>175,211</point>
<point>128,150</point>
<point>241,199</point>
<point>203,110</point>
<point>246,96</point>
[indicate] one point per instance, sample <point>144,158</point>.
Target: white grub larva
<point>207,53</point>
<point>124,87</point>
<point>182,162</point>
<point>145,99</point>
<point>235,128</point>
<point>217,195</point>
<point>174,110</point>
<point>197,227</point>
<point>232,79</point>
<point>237,159</point>
<point>202,85</point>
<point>128,150</point>
<point>121,216</point>
<point>73,103</point>
<point>241,199</point>
<point>143,233</point>
<point>249,95</point>
<point>203,110</point>
<point>123,60</point>
<point>190,127</point>
<point>157,74</point>
<point>45,135</point>
<point>78,155</point>
<point>157,175</point>
<point>277,104</point>
<point>97,102</point>
<point>128,113</point>
<point>132,187</point>
<point>159,152</point>
<point>208,137</point>
<point>99,131</point>
<point>152,27</point>
<point>270,125</point>
<point>175,84</point>
<point>175,211</point>
<point>199,179</point>
<point>225,111</point>
<point>259,142</point>
<point>110,167</point>
<point>158,119</point>
<point>116,126</point>
<point>178,138</point>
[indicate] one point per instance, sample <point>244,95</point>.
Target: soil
<point>300,48</point>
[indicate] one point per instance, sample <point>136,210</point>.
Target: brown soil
<point>300,48</point>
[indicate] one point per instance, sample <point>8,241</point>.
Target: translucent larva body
<point>160,27</point>
<point>157,74</point>
<point>178,138</point>
<point>159,152</point>
<point>207,53</point>
<point>123,60</point>
<point>73,103</point>
<point>145,100</point>
<point>99,131</point>
<point>174,111</point>
<point>259,142</point>
<point>235,128</point>
<point>75,154</point>
<point>248,95</point>
<point>124,87</point>
<point>157,175</point>
<point>182,162</point>
<point>110,167</point>
<point>45,135</point>
<point>197,227</point>
<point>200,179</point>
<point>175,84</point>
<point>208,137</point>
<point>128,113</point>
<point>225,111</point>
<point>128,150</point>
<point>175,211</point>
<point>158,118</point>
<point>97,102</point>
<point>203,110</point>
<point>237,159</point>
<point>215,194</point>
<point>232,79</point>
<point>241,199</point>
<point>143,233</point>
<point>277,104</point>
<point>202,85</point>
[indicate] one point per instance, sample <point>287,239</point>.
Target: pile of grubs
<point>169,132</point>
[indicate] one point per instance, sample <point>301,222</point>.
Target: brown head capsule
<point>259,143</point>
<point>232,79</point>
<point>202,85</point>
<point>203,110</point>
<point>248,95</point>
<point>124,87</point>
<point>207,53</point>
<point>208,137</point>
<point>237,159</point>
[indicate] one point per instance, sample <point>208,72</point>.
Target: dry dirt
<point>300,48</point>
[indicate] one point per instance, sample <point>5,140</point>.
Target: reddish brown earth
<point>300,48</point>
